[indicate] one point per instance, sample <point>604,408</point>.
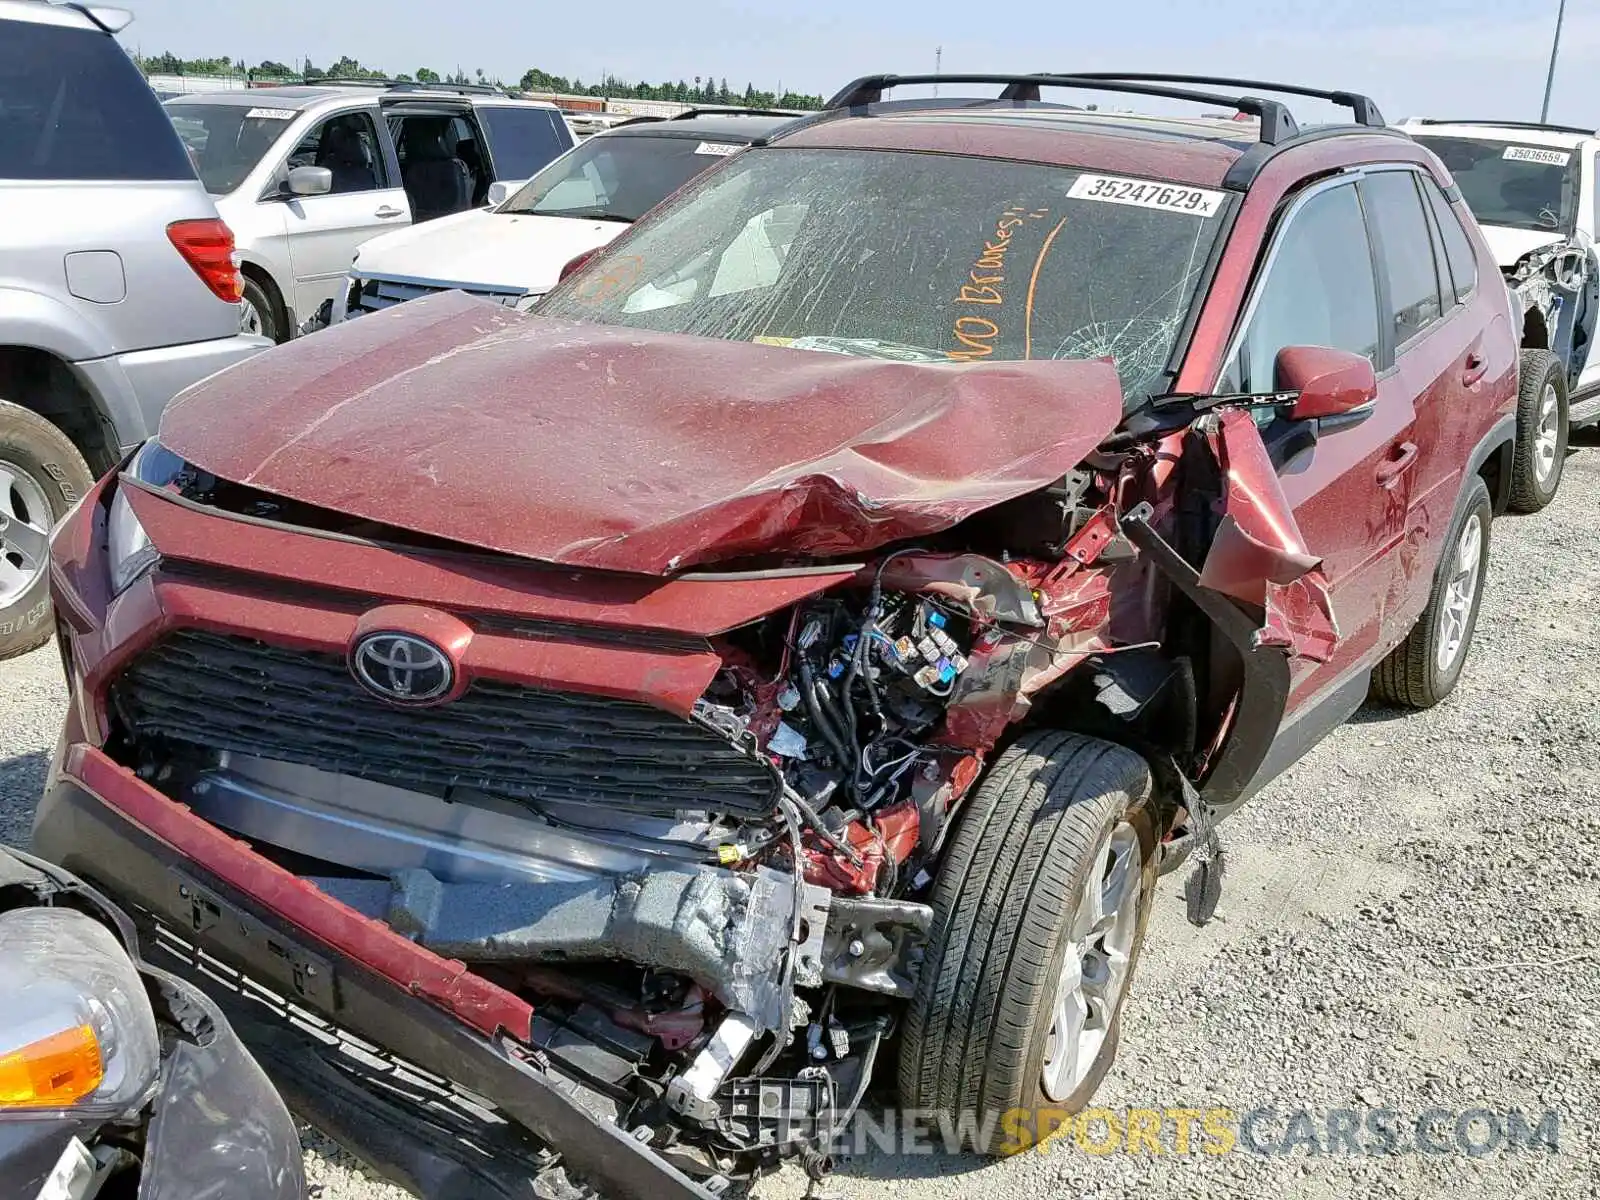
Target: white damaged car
<point>514,250</point>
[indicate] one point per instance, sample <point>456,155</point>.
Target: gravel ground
<point>1411,922</point>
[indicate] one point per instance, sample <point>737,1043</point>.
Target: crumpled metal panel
<point>1258,554</point>
<point>621,449</point>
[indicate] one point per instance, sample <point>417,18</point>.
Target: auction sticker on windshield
<point>271,114</point>
<point>1537,154</point>
<point>1142,193</point>
<point>720,149</point>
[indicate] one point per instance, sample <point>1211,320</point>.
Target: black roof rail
<point>734,112</point>
<point>1277,122</point>
<point>1510,125</point>
<point>411,85</point>
<point>1366,112</point>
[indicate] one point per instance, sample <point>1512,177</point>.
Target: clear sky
<point>1477,58</point>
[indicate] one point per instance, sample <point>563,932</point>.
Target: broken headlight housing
<point>129,551</point>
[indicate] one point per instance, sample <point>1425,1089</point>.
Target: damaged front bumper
<point>295,949</point>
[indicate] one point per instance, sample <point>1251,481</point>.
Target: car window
<point>74,107</point>
<point>348,146</point>
<point>1459,254</point>
<point>1521,187</point>
<point>1319,290</point>
<point>523,141</point>
<point>616,177</point>
<point>1406,251</point>
<point>226,141</point>
<point>908,256</point>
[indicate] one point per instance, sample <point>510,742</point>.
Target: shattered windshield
<point>915,257</point>
<point>1519,187</point>
<point>618,177</point>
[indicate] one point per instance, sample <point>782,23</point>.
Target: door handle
<point>387,212</point>
<point>1473,369</point>
<point>1397,464</point>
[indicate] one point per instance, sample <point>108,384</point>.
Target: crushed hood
<point>621,449</point>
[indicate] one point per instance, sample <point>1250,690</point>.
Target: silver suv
<point>304,175</point>
<point>118,287</point>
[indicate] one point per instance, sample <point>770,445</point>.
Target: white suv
<point>1533,189</point>
<point>305,175</point>
<point>515,251</point>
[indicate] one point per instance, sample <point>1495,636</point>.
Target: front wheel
<point>1541,431</point>
<point>1039,914</point>
<point>256,312</point>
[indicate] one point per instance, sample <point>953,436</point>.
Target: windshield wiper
<point>579,214</point>
<point>1201,401</point>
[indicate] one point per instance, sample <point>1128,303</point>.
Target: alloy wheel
<point>25,522</point>
<point>1094,973</point>
<point>1547,434</point>
<point>1455,614</point>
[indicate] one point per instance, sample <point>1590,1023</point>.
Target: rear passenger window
<point>1318,291</point>
<point>1458,250</point>
<point>73,107</point>
<point>1395,210</point>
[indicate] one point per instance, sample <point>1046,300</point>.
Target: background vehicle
<point>514,252</point>
<point>1532,188</point>
<point>709,668</point>
<point>116,285</point>
<point>305,175</point>
<point>115,1076</point>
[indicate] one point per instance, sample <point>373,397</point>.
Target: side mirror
<point>576,263</point>
<point>310,181</point>
<point>1335,386</point>
<point>498,194</point>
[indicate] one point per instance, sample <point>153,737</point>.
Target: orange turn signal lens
<point>53,1072</point>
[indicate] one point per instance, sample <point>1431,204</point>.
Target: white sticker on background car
<point>1144,193</point>
<point>1538,154</point>
<point>271,114</point>
<point>720,149</point>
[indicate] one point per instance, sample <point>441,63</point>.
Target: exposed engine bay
<point>1558,287</point>
<point>697,828</point>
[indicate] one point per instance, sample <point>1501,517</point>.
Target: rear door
<point>367,199</point>
<point>1318,286</point>
<point>1440,359</point>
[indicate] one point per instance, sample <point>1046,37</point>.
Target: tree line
<point>705,89</point>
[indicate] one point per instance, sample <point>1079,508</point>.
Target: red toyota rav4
<point>590,741</point>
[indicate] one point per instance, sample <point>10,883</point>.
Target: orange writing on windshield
<point>985,287</point>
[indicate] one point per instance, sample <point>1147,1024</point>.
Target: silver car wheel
<point>1455,614</point>
<point>1547,435</point>
<point>1094,972</point>
<point>25,521</point>
<point>249,318</point>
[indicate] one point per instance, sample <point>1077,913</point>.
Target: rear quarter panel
<point>163,302</point>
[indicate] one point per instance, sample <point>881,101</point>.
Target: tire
<point>1541,431</point>
<point>1033,835</point>
<point>266,313</point>
<point>1412,675</point>
<point>42,475</point>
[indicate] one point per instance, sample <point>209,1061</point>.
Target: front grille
<point>374,295</point>
<point>235,694</point>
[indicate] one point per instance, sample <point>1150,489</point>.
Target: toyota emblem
<point>402,668</point>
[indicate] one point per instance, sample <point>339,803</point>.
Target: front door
<point>325,231</point>
<point>1350,492</point>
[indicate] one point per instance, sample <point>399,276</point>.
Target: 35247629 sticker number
<point>1145,193</point>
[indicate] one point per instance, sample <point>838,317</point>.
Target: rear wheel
<point>1541,431</point>
<point>41,476</point>
<point>1424,669</point>
<point>1039,913</point>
